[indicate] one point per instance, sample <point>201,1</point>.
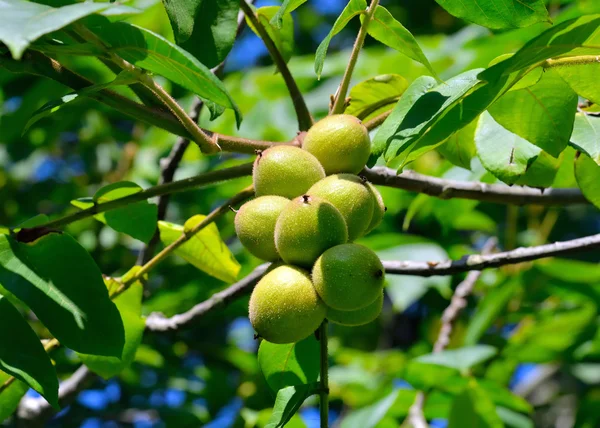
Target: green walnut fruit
<point>357,317</point>
<point>348,277</point>
<point>379,208</point>
<point>255,225</point>
<point>351,196</point>
<point>340,142</point>
<point>285,171</point>
<point>284,306</point>
<point>306,227</point>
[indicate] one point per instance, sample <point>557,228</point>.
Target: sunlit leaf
<point>11,396</point>
<point>586,135</point>
<point>282,36</point>
<point>370,416</point>
<point>287,403</point>
<point>582,79</point>
<point>375,95</point>
<point>587,173</point>
<point>288,6</point>
<point>460,359</point>
<point>473,408</point>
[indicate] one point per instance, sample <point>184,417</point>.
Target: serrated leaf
<point>59,281</point>
<point>205,250</point>
<point>543,114</point>
<point>205,28</point>
<point>137,220</point>
<point>23,355</point>
<point>287,403</point>
<point>288,6</point>
<point>473,408</point>
<point>11,396</point>
<point>587,174</point>
<point>22,22</point>
<point>582,79</point>
<point>376,95</point>
<point>289,364</point>
<point>370,416</point>
<point>498,14</point>
<point>283,37</point>
<point>152,52</point>
<point>578,36</point>
<point>460,359</point>
<point>353,8</point>
<point>129,304</point>
<point>386,29</point>
<point>586,135</point>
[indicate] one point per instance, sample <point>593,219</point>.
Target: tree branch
<point>340,97</point>
<point>305,120</point>
<point>446,189</point>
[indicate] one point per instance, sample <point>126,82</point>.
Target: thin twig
<point>457,303</point>
<point>377,120</point>
<point>305,120</point>
<point>339,102</point>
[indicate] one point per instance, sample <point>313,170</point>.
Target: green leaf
<point>474,409</point>
<point>587,173</point>
<point>586,135</point>
<point>35,221</point>
<point>123,78</point>
<point>287,403</point>
<point>582,79</point>
<point>290,364</point>
<point>61,284</point>
<point>386,29</point>
<point>498,14</point>
<point>570,270</point>
<point>504,154</point>
<point>129,304</point>
<point>282,36</point>
<point>11,396</point>
<point>574,37</point>
<point>370,416</point>
<point>353,8</point>
<point>154,53</point>
<point>205,250</point>
<point>23,355</point>
<point>137,220</point>
<point>542,114</point>
<point>287,7</point>
<point>374,96</point>
<point>460,359</point>
<point>459,148</point>
<point>22,22</point>
<point>513,419</point>
<point>488,310</point>
<point>204,28</point>
<point>420,106</point>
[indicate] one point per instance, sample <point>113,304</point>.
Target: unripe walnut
<point>286,171</point>
<point>358,316</point>
<point>379,208</point>
<point>340,142</point>
<point>284,306</point>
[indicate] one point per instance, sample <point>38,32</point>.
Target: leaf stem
<point>305,120</point>
<point>324,378</point>
<point>571,61</point>
<point>340,98</point>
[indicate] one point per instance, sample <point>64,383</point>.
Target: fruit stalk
<point>324,382</point>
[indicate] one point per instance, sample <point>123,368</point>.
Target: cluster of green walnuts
<point>310,206</point>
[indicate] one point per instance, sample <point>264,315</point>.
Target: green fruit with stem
<point>379,208</point>
<point>357,317</point>
<point>348,277</point>
<point>306,227</point>
<point>284,306</point>
<point>255,225</point>
<point>340,142</point>
<point>351,196</point>
<point>286,171</point>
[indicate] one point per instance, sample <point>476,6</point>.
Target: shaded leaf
<point>586,135</point>
<point>137,220</point>
<point>290,364</point>
<point>498,14</point>
<point>11,396</point>
<point>129,304</point>
<point>287,403</point>
<point>204,28</point>
<point>62,285</point>
<point>460,359</point>
<point>370,416</point>
<point>353,8</point>
<point>25,357</point>
<point>543,114</point>
<point>376,95</point>
<point>389,31</point>
<point>22,22</point>
<point>473,408</point>
<point>459,148</point>
<point>205,250</point>
<point>587,173</point>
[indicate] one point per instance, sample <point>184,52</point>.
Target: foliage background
<point>544,328</point>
